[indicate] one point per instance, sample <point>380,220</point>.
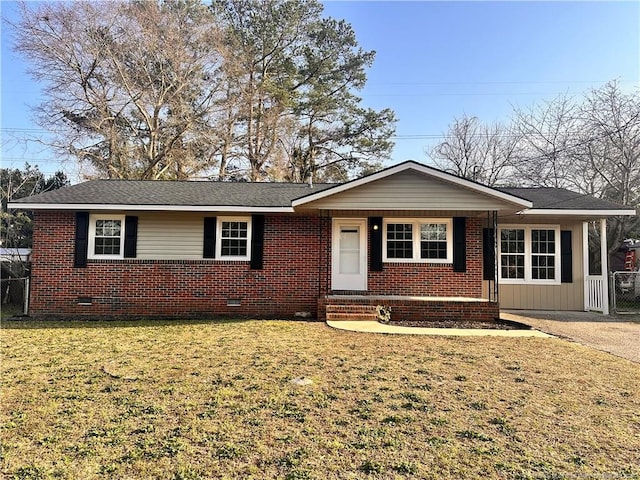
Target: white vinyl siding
<point>170,236</point>
<point>180,236</point>
<point>419,192</point>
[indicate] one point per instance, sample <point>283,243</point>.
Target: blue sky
<point>435,61</point>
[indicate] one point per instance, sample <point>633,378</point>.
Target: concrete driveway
<point>616,334</point>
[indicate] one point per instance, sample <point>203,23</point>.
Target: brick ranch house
<point>410,237</point>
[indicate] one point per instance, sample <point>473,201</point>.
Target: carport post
<point>605,266</point>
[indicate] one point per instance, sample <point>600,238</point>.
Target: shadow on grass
<point>30,323</point>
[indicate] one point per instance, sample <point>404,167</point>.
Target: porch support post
<point>605,266</point>
<point>585,263</point>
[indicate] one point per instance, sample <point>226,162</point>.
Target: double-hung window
<point>529,254</point>
<point>512,253</point>
<point>234,238</point>
<point>106,236</point>
<point>418,240</point>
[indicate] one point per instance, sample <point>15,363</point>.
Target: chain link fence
<point>625,291</point>
<point>15,296</point>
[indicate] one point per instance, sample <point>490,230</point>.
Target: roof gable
<point>412,186</point>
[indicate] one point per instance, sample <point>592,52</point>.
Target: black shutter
<point>130,236</point>
<point>488,254</point>
<point>375,229</point>
<point>82,239</point>
<point>566,257</point>
<point>459,245</point>
<point>209,248</point>
<point>257,241</point>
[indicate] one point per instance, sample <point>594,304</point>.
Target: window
<point>106,236</point>
<point>433,240</point>
<point>400,240</point>
<point>543,249</point>
<point>512,253</point>
<point>234,238</point>
<point>529,254</point>
<point>418,240</point>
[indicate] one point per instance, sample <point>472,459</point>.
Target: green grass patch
<point>196,400</point>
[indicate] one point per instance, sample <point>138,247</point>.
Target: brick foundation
<point>416,310</point>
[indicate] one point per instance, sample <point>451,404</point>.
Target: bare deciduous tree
<point>589,145</point>
<point>173,89</point>
<point>129,87</point>
<point>545,134</point>
<point>608,154</point>
<point>484,153</point>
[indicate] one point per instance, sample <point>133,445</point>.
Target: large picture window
<point>106,236</point>
<point>418,240</point>
<point>529,254</point>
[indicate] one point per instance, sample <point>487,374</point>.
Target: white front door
<point>349,254</point>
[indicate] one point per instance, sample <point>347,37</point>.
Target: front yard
<point>189,400</point>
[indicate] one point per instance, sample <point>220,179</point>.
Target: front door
<point>349,254</point>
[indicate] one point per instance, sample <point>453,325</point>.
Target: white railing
<point>595,293</point>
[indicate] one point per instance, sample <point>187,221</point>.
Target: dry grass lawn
<point>190,400</point>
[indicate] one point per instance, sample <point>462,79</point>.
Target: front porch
<point>408,308</point>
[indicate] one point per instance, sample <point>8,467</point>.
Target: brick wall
<point>297,262</point>
<point>289,282</point>
<point>429,311</point>
<point>431,279</point>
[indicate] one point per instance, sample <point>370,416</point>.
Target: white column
<point>585,263</point>
<point>605,266</point>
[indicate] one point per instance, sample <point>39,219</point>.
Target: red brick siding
<point>288,283</point>
<point>423,310</point>
<point>430,279</point>
<point>297,272</point>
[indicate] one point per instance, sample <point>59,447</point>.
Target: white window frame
<point>92,236</point>
<point>416,222</point>
<point>528,254</point>
<point>218,254</point>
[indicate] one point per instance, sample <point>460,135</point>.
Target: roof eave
<point>150,208</point>
<point>578,212</point>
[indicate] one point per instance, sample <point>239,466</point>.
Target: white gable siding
<point>410,191</point>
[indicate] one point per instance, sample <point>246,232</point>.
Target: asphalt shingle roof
<point>248,194</point>
<point>561,199</point>
<point>183,193</point>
